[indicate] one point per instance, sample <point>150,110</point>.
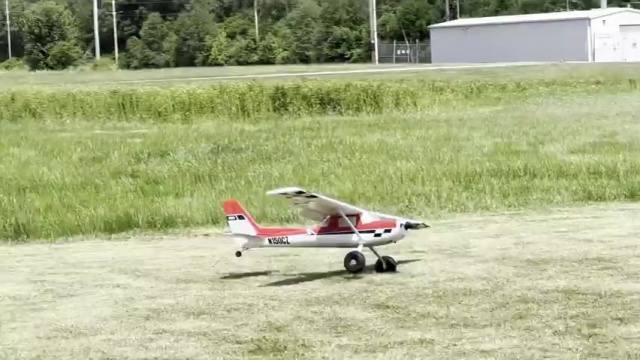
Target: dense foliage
<point>55,34</point>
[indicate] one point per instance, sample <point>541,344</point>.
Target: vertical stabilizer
<point>239,219</point>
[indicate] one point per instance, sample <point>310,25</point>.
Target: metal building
<point>597,35</point>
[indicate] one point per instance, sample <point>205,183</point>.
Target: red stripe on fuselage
<point>281,231</point>
<point>374,225</point>
<point>328,230</point>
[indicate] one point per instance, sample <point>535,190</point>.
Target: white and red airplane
<point>342,226</point>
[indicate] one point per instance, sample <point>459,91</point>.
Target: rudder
<point>239,219</point>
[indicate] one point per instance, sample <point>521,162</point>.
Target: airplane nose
<point>411,225</point>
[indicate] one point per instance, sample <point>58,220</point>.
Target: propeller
<point>414,225</point>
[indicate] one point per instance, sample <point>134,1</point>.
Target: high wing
<point>317,207</point>
<point>412,224</point>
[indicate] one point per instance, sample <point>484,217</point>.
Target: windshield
<point>326,221</point>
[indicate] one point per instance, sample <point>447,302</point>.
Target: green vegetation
<point>251,100</point>
<point>81,161</point>
<point>54,35</point>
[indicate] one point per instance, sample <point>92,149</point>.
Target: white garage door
<point>630,42</point>
<point>607,48</point>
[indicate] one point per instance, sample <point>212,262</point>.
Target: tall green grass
<point>572,144</point>
<point>241,101</point>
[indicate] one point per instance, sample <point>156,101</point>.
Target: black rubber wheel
<point>390,263</point>
<point>354,262</point>
<point>238,253</point>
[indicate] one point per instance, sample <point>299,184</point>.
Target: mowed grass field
<point>560,284</point>
<point>194,75</point>
<point>530,183</point>
<point>279,73</point>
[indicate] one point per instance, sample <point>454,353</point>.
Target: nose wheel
<point>386,264</point>
<point>238,253</point>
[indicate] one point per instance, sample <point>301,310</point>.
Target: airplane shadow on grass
<point>233,276</point>
<point>311,276</point>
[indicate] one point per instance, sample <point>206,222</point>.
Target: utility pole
<point>458,9</point>
<point>373,19</point>
<point>96,30</point>
<point>255,18</point>
<point>446,10</point>
<point>6,8</point>
<point>115,31</point>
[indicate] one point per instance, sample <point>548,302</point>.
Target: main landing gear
<point>355,262</point>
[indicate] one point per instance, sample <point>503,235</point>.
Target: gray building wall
<point>566,40</point>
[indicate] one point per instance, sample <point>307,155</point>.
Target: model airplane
<point>342,226</point>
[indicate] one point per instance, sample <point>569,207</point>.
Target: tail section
<point>239,219</point>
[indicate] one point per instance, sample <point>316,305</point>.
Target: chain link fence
<point>404,52</point>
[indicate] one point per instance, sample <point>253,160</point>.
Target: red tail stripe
<point>233,207</point>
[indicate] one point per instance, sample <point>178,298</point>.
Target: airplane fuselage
<point>373,234</point>
<point>335,231</point>
<point>323,240</point>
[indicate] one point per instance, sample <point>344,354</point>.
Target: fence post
<point>394,51</point>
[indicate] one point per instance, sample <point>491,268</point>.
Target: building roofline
<point>435,26</point>
<point>529,18</point>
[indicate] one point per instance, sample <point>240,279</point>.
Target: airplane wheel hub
<point>354,262</point>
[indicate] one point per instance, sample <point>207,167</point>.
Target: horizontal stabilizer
<point>242,236</point>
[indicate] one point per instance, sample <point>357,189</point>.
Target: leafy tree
<point>51,36</point>
<point>219,49</point>
<point>303,24</point>
<point>156,47</point>
<point>192,30</point>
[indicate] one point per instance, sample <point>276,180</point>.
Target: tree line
<point>57,34</point>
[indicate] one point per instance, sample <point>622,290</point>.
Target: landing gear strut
<point>385,263</point>
<point>355,262</point>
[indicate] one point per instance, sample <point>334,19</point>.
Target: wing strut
<point>351,226</point>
